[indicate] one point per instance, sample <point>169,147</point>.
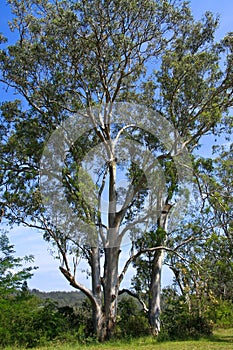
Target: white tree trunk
<point>155,286</point>
<point>111,289</point>
<point>155,293</point>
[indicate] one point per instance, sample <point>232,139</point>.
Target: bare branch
<point>148,250</point>
<point>78,285</point>
<point>136,296</point>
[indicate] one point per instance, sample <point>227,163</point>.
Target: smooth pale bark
<point>111,289</point>
<point>96,290</point>
<point>155,293</point>
<point>106,288</point>
<point>104,294</point>
<point>111,253</point>
<point>155,284</point>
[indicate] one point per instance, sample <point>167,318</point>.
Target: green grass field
<point>222,339</point>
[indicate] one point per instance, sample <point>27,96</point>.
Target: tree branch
<point>136,296</point>
<point>78,285</point>
<point>153,249</point>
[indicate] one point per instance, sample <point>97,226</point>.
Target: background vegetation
<point>32,318</point>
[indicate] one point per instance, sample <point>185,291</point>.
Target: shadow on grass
<point>221,338</point>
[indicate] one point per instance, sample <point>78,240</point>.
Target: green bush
<point>221,313</point>
<point>185,327</point>
<point>31,322</point>
<point>16,319</point>
<point>178,323</point>
<point>132,321</point>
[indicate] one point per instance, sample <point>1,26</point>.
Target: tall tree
<point>195,95</point>
<point>207,266</point>
<point>72,62</point>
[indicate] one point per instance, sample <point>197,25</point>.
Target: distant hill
<point>71,299</point>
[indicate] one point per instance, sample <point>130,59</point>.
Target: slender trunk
<point>97,307</point>
<point>112,251</point>
<point>155,293</point>
<point>111,289</point>
<point>155,284</point>
<point>96,289</point>
<point>105,310</point>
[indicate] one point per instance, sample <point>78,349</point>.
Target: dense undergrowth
<point>27,321</point>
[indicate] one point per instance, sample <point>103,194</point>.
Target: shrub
<point>132,321</point>
<point>178,323</point>
<point>222,314</point>
<point>32,322</point>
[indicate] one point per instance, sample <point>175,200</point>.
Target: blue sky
<point>27,241</point>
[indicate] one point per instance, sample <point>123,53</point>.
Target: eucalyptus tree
<point>73,55</point>
<point>75,67</point>
<point>195,94</point>
<point>205,265</point>
<point>216,184</point>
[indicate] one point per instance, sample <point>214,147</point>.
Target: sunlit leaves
<point>12,272</point>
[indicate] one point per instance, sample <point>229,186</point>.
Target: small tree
<point>12,274</point>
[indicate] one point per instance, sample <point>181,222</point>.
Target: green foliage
<point>178,322</point>
<point>29,321</point>
<point>12,273</point>
<point>17,317</point>
<point>26,320</point>
<point>221,313</point>
<point>132,321</point>
<point>182,319</point>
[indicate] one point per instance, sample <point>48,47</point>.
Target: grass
<point>222,339</point>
